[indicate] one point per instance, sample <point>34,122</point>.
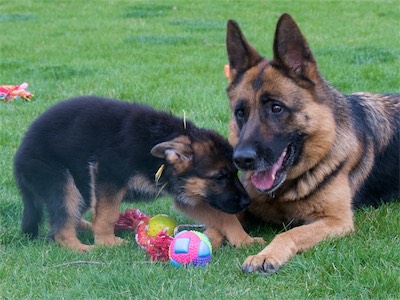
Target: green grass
<point>171,54</point>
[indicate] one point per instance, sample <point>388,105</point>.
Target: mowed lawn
<point>171,54</point>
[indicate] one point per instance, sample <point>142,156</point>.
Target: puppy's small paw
<point>84,248</point>
<point>110,241</point>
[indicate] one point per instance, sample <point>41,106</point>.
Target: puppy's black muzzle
<point>233,201</point>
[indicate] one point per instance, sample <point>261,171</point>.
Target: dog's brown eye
<point>276,108</point>
<point>240,114</point>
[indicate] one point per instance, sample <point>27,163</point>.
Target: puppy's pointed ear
<point>291,51</point>
<point>241,54</point>
<point>177,152</point>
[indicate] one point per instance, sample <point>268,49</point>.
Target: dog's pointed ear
<point>292,52</point>
<point>177,152</point>
<point>241,54</point>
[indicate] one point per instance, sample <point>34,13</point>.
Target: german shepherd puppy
<point>309,154</point>
<point>88,152</point>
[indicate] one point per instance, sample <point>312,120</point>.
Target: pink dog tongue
<point>264,180</point>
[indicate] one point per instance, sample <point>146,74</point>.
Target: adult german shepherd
<point>88,152</point>
<point>309,154</point>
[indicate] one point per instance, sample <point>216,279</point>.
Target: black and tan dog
<point>88,152</point>
<point>309,153</point>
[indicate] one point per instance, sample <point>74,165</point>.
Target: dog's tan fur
<point>342,140</point>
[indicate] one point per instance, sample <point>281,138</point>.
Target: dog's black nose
<point>244,158</point>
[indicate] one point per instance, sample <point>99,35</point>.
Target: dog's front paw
<point>84,248</point>
<point>110,241</point>
<point>255,240</point>
<point>260,264</point>
<point>248,240</point>
<point>71,242</point>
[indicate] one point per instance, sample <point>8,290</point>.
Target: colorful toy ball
<point>190,248</point>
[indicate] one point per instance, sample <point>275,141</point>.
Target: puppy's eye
<point>276,108</point>
<point>220,177</point>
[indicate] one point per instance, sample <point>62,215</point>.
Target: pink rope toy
<point>13,92</point>
<point>158,246</point>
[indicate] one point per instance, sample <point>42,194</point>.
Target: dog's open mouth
<point>267,181</point>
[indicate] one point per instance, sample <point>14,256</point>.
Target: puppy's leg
<point>105,215</point>
<point>84,225</point>
<point>219,225</point>
<point>64,222</point>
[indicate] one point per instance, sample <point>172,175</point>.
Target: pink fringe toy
<point>14,92</point>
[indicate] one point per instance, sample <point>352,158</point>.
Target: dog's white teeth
<point>273,177</point>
